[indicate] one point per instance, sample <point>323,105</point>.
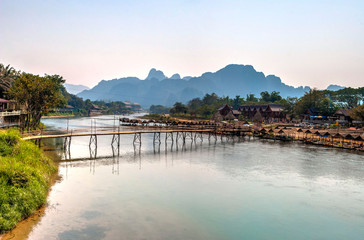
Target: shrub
<point>25,174</point>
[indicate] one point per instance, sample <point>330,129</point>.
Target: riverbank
<point>345,138</point>
<point>25,178</point>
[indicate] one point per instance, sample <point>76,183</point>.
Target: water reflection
<point>91,232</point>
<point>219,188</point>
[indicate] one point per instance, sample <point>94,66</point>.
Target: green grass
<point>25,174</point>
<point>59,114</point>
<point>155,116</point>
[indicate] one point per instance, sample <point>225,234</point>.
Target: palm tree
<point>7,77</point>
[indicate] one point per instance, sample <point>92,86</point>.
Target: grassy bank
<point>25,174</point>
<point>155,116</point>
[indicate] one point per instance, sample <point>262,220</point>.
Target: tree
<point>206,110</point>
<point>210,99</point>
<point>270,97</point>
<point>38,95</point>
<point>159,109</point>
<point>237,101</point>
<point>288,105</point>
<point>265,96</point>
<point>194,104</point>
<point>275,96</point>
<point>7,77</point>
<point>178,107</point>
<point>358,113</point>
<point>251,98</point>
<point>317,100</point>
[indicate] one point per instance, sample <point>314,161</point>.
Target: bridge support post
<point>184,135</point>
<point>212,134</point>
<point>67,143</point>
<point>116,140</point>
<point>189,134</point>
<point>157,137</point>
<point>115,144</point>
<point>169,135</point>
<point>137,138</point>
<point>181,136</point>
<point>199,135</point>
<point>93,140</point>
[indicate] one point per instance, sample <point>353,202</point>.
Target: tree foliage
<point>270,97</point>
<point>178,107</point>
<point>358,113</point>
<point>38,95</point>
<point>158,109</point>
<point>7,77</point>
<point>316,100</point>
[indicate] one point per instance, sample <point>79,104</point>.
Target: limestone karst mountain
<point>230,81</point>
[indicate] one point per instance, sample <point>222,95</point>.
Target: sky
<point>311,43</point>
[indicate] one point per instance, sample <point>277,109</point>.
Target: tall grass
<point>25,174</point>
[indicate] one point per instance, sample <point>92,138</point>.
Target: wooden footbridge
<point>170,135</point>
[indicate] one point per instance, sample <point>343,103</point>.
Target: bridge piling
<point>198,135</point>
<point>169,135</point>
<point>156,137</point>
<point>137,138</point>
<point>180,136</point>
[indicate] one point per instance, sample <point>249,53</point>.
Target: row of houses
<point>270,113</point>
<point>262,113</point>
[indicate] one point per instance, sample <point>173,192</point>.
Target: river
<point>242,189</point>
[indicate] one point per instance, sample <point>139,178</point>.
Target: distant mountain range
<point>74,89</point>
<point>333,87</point>
<point>229,81</point>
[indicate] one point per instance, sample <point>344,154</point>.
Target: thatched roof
<point>343,111</point>
<point>338,135</point>
<point>263,130</point>
<point>349,136</point>
<point>258,117</point>
<point>325,134</point>
<point>359,138</point>
<point>276,107</point>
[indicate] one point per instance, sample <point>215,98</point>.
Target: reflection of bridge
<point>156,149</point>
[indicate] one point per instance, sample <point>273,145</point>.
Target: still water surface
<point>224,190</point>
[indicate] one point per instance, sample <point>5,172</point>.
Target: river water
<point>242,189</point>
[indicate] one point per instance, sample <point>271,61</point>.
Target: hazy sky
<point>312,43</point>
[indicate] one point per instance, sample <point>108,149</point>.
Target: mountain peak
<point>175,76</point>
<point>334,87</point>
<point>75,89</point>
<point>157,74</point>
